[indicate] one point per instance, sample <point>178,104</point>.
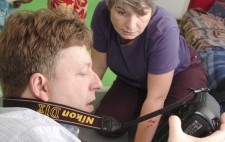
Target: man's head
<point>44,55</point>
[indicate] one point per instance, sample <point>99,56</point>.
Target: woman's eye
<point>122,12</point>
<point>142,13</point>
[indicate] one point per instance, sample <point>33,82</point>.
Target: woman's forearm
<point>146,129</point>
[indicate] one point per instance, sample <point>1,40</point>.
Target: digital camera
<point>199,117</point>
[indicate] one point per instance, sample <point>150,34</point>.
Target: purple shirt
<point>158,50</point>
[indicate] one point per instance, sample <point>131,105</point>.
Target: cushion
<point>218,8</point>
<point>203,4</point>
<point>213,61</point>
<point>79,6</point>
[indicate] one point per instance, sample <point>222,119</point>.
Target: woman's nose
<point>131,23</point>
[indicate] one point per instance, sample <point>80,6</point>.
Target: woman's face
<point>128,22</point>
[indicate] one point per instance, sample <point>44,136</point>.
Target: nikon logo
<point>55,113</point>
<point>52,112</point>
<point>79,117</point>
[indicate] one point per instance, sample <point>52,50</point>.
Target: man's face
<point>75,82</point>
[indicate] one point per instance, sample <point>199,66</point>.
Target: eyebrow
<point>88,64</point>
<point>85,66</point>
<point>120,8</point>
<point>143,10</point>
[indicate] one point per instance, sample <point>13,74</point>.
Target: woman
<point>141,44</point>
<point>6,7</point>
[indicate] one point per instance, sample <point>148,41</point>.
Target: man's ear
<point>38,85</point>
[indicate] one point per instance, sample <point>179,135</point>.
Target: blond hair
<point>30,42</point>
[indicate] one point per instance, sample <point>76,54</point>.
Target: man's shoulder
<point>23,117</point>
<point>25,124</point>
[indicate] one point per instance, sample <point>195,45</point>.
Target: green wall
<point>34,5</point>
<point>37,4</point>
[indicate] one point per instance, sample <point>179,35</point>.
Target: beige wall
<point>175,7</point>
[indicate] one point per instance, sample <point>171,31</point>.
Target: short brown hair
<point>30,42</point>
<point>135,3</point>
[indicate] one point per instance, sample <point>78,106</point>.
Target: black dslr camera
<point>199,117</point>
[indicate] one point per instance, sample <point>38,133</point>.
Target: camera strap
<point>72,116</point>
<point>168,108</point>
<point>58,112</point>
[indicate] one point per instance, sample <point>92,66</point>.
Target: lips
<point>127,33</point>
<point>90,104</point>
<point>90,107</point>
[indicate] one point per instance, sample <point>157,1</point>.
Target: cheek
<point>79,87</point>
<point>79,99</point>
<point>146,20</point>
<point>67,88</point>
<point>72,97</point>
<point>116,20</point>
<point>143,24</point>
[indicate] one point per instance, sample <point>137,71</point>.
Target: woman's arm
<point>158,88</point>
<point>99,60</point>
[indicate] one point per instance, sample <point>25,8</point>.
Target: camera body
<point>200,117</point>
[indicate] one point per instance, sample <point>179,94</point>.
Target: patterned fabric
<point>5,10</point>
<point>203,30</point>
<point>79,6</point>
<point>214,63</point>
<point>206,32</point>
<point>25,125</point>
<point>218,8</point>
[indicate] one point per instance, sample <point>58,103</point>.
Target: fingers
<point>175,123</point>
<point>175,131</point>
<point>219,135</point>
<point>223,118</point>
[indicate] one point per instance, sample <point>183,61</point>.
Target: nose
<point>131,22</point>
<point>96,82</point>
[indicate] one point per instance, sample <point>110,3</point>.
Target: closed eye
<point>142,13</point>
<point>83,74</point>
<point>122,12</point>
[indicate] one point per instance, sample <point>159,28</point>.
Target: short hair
<point>30,42</point>
<point>134,3</point>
